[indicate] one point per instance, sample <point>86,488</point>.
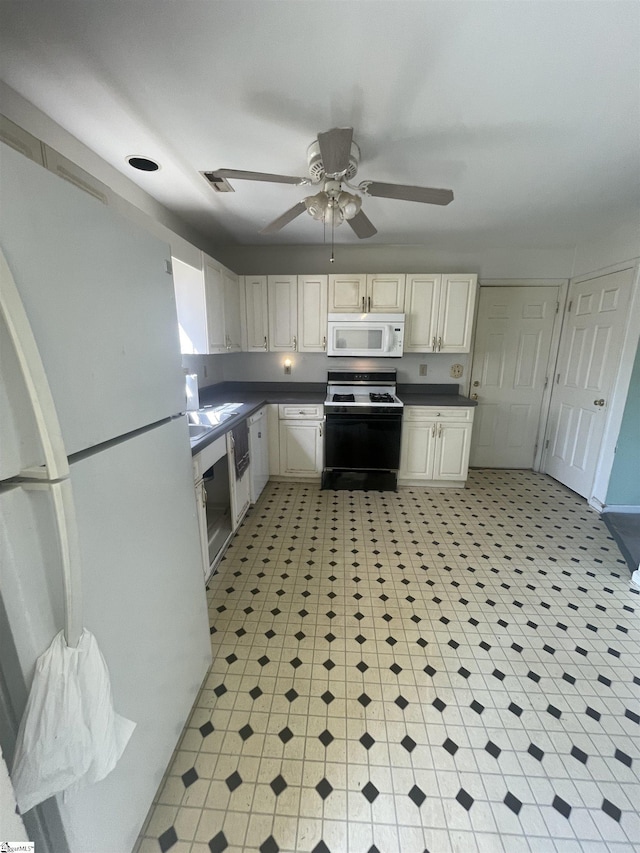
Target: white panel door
<point>385,293</point>
<point>347,294</point>
<point>587,365</point>
<point>312,313</point>
<point>256,306</point>
<point>421,313</point>
<point>283,312</point>
<point>510,362</point>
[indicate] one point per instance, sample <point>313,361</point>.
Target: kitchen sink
<point>198,430</point>
<point>205,419</point>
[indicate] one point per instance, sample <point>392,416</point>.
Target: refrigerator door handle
<point>35,378</point>
<point>56,463</point>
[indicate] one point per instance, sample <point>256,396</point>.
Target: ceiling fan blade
<point>239,175</point>
<point>335,147</point>
<point>427,195</point>
<point>362,225</point>
<point>285,219</point>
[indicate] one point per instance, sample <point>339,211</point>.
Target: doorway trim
<point>563,289</point>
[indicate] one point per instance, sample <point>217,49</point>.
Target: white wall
<point>613,248</point>
<point>488,261</point>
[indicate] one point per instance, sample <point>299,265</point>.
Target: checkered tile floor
<point>453,670</point>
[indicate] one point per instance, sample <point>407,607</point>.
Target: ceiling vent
<point>218,183</point>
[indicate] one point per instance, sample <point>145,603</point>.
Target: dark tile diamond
<point>327,697</point>
<point>464,672</point>
<point>631,715</point>
<point>234,781</point>
<point>515,709</point>
<point>561,806</point>
<point>391,641</point>
<point>535,751</point>
<point>450,746</point>
<point>231,659</point>
<point>218,843</point>
<point>291,695</point>
<point>367,741</point>
<point>395,669</point>
<point>189,777</point>
<point>167,839</point>
<point>512,802</point>
<point>499,675</point>
<point>206,729</point>
<point>321,847</point>
<point>270,634</point>
<point>269,846</point>
<point>417,796</point>
<point>364,700</point>
<point>263,661</point>
<point>569,678</point>
<point>360,639</point>
<point>300,636</point>
<point>623,757</point>
<point>328,665</point>
<point>579,754</point>
<point>477,707</point>
<point>245,732</point>
<point>493,749</point>
<point>220,690</point>
<point>285,735</point>
<point>465,799</point>
<point>430,670</point>
<point>255,693</point>
<point>324,788</point>
<point>439,705</point>
<point>610,809</point>
<point>408,743</point>
<point>370,792</point>
<point>278,785</point>
<point>325,737</point>
<point>362,666</point>
<point>533,676</point>
<point>401,702</point>
<point>591,712</point>
<point>555,712</point>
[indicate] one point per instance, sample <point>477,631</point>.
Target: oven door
<point>355,338</point>
<point>363,441</point>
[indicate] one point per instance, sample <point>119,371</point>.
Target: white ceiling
<point>529,111</point>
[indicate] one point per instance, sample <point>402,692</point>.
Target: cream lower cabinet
<point>435,444</point>
<point>301,441</point>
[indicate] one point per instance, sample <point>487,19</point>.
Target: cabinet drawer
<point>209,456</point>
<point>289,412</point>
<point>430,413</point>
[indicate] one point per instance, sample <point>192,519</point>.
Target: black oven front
<point>362,447</point>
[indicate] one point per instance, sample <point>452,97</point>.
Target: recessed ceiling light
<point>143,164</point>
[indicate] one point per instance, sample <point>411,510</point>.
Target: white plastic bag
<point>69,734</point>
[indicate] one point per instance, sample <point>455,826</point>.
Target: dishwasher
<point>259,453</point>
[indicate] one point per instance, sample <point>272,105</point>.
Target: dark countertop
<point>254,395</point>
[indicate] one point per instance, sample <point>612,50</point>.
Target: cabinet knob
<point>324,342</point>
<point>363,308</point>
<point>474,396</point>
<point>439,344</point>
<point>295,343</point>
<point>265,342</point>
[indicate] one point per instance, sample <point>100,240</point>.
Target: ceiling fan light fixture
<point>317,205</point>
<point>349,204</point>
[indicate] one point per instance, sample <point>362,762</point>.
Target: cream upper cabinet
<point>253,292</point>
<point>283,312</point>
<point>312,313</point>
<point>347,294</point>
<point>231,311</point>
<point>385,293</point>
<point>435,443</point>
<point>439,312</point>
<point>214,298</point>
<point>357,294</point>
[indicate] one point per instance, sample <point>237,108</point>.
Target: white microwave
<point>373,335</point>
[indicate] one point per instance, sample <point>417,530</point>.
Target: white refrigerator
<point>100,302</point>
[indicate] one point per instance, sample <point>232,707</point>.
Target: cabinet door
<point>188,285</point>
<point>451,458</point>
<point>417,450</point>
<point>255,299</point>
<point>300,448</point>
<point>385,293</point>
<point>457,305</point>
<point>273,432</point>
<point>421,310</point>
<point>312,313</point>
<point>283,312</point>
<point>231,311</point>
<point>347,294</point>
<point>214,295</point>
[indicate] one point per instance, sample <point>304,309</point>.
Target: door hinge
<point>557,307</point>
<point>558,379</point>
<point>569,307</point>
<point>546,381</point>
<point>546,444</point>
<point>168,267</point>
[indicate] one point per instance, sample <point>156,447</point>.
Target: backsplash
<point>313,367</point>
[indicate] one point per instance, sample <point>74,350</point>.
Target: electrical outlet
<point>456,371</point>
<point>423,370</point>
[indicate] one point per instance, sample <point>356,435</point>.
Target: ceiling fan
<point>333,160</point>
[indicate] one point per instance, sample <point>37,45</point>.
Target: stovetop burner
<point>344,398</point>
<point>381,398</point>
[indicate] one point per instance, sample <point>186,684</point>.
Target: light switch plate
<point>456,371</point>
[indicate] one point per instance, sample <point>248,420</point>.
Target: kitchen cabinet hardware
<point>363,304</point>
<point>369,304</point>
<point>476,384</point>
<point>598,402</point>
<point>266,344</point>
<point>474,396</point>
